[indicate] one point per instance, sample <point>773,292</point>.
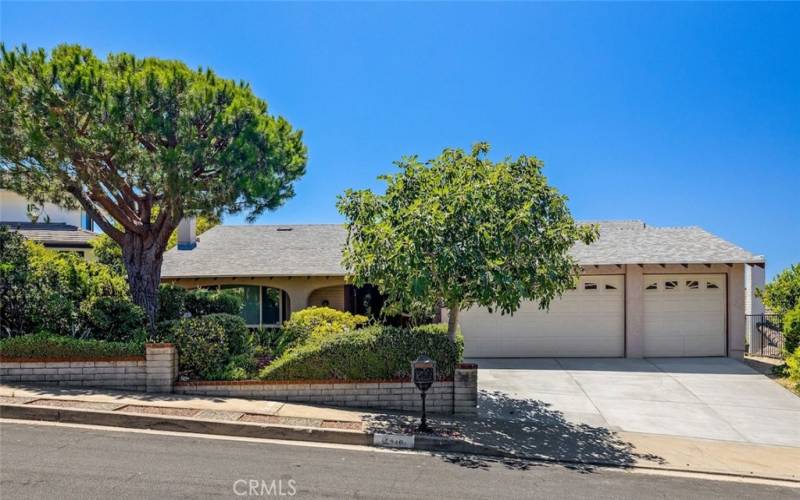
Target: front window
<point>270,306</point>
<point>261,305</point>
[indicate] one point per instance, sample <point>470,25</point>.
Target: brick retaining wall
<point>154,372</point>
<point>158,370</point>
<point>112,374</point>
<point>459,394</point>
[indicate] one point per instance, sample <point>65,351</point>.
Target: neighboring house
<point>644,291</point>
<point>54,227</point>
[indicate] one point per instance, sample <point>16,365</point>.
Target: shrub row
<point>57,346</point>
<point>374,352</point>
<point>206,344</point>
<point>318,321</point>
<point>793,367</point>
<point>791,330</point>
<point>176,302</point>
<point>61,293</point>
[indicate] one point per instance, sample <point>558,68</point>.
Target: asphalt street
<point>48,461</point>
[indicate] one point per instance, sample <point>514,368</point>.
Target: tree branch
<point>108,228</point>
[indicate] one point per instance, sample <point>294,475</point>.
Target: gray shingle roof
<point>634,242</point>
<point>53,234</point>
<point>315,249</point>
<point>302,250</point>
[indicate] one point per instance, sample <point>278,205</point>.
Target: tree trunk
<point>452,322</point>
<point>143,264</point>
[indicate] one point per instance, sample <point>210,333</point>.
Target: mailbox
<point>423,374</point>
<point>423,371</point>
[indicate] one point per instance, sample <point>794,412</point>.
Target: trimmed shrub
<point>45,344</point>
<point>206,343</point>
<point>318,321</point>
<point>791,330</point>
<point>200,302</point>
<point>239,338</point>
<point>113,318</point>
<point>782,294</point>
<point>793,367</point>
<point>374,352</point>
<point>171,302</point>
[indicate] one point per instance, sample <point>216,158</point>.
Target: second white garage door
<point>684,315</point>
<point>587,321</point>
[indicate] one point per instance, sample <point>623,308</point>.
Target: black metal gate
<point>765,335</point>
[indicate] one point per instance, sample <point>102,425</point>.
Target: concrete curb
<point>183,424</point>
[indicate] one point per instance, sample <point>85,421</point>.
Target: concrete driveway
<point>711,398</point>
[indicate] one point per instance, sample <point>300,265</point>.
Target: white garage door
<point>684,315</point>
<point>587,321</point>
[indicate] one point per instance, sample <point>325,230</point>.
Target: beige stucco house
<point>644,291</point>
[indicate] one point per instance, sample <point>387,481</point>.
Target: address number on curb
<point>394,440</point>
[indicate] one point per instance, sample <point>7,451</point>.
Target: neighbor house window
<point>652,286</point>
<point>610,287</point>
<point>590,286</point>
<point>670,285</point>
<point>87,222</point>
<point>711,284</point>
<point>692,284</point>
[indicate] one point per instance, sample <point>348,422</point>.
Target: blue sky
<point>677,114</point>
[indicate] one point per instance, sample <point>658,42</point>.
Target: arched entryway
<point>328,296</point>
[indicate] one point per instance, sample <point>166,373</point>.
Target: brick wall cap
<point>191,383</point>
<point>468,366</point>
<point>61,359</point>
<point>158,345</point>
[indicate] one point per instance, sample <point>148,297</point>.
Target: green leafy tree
<point>782,294</point>
<point>139,144</point>
<point>461,230</point>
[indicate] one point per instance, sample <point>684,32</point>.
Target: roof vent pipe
<point>187,233</point>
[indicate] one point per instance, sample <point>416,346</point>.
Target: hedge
<point>56,346</point>
<point>793,367</point>
<point>791,330</point>
<point>201,302</point>
<point>374,352</point>
<point>113,318</point>
<point>318,321</point>
<point>206,344</point>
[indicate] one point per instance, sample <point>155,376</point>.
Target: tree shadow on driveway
<point>524,428</point>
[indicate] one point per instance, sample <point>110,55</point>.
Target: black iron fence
<point>765,335</point>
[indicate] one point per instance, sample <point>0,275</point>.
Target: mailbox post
<point>423,373</point>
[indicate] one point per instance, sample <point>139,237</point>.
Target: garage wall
<point>498,342</point>
<point>684,315</point>
<point>734,303</point>
<point>588,321</point>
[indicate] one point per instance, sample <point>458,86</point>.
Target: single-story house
<point>643,290</point>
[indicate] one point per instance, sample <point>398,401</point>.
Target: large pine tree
<point>139,144</point>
